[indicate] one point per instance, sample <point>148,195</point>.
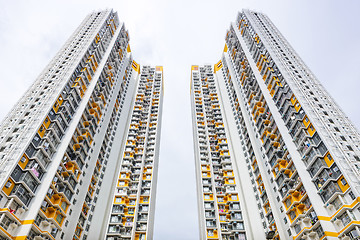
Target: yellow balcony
<point>47,122</point>
<point>205,174</point>
<point>233,197</point>
<point>273,136</point>
<point>225,217</point>
<point>229,180</point>
<point>267,207</point>
<point>311,130</point>
<point>76,147</point>
<point>23,161</point>
<point>261,188</point>
<point>276,144</point>
<point>127,220</point>
<point>212,233</point>
<point>124,176</point>
<point>123,183</point>
<point>328,159</point>
<point>8,187</point>
<point>288,172</point>
<point>42,131</point>
<point>343,184</point>
<point>147,176</point>
<point>209,197</point>
<point>297,106</point>
<point>139,236</point>
<point>282,163</point>
<point>55,199</point>
<point>144,199</point>
<point>50,212</point>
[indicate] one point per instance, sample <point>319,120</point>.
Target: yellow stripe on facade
<point>357,200</point>
<point>20,238</point>
<point>24,222</point>
<point>305,228</point>
<point>8,234</point>
<point>324,218</point>
<point>44,232</point>
<point>347,226</point>
<point>331,234</point>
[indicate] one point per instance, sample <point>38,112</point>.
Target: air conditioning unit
<point>13,225</point>
<point>313,234</point>
<point>330,206</point>
<point>337,221</point>
<point>45,223</point>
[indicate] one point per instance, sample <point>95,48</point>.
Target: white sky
<point>177,34</point>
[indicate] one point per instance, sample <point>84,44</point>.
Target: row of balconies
<point>81,147</point>
<point>268,147</point>
<point>295,114</point>
<point>145,191</point>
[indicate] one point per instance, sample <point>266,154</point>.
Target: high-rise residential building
<point>275,156</point>
<point>79,151</point>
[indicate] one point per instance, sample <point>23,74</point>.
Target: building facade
<point>294,153</point>
<point>84,135</point>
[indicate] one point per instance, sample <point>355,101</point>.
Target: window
<point>207,205</point>
<point>8,184</point>
<point>292,215</point>
<point>64,205</point>
<point>210,223</point>
<point>236,206</point>
<point>59,218</point>
<point>23,159</point>
<point>6,222</point>
<point>343,182</point>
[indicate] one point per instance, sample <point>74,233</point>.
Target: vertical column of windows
<point>89,203</point>
<point>130,213</point>
<point>223,216</point>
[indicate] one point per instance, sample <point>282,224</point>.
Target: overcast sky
<point>177,34</point>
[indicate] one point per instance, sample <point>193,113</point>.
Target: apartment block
<point>83,136</point>
<point>290,141</point>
